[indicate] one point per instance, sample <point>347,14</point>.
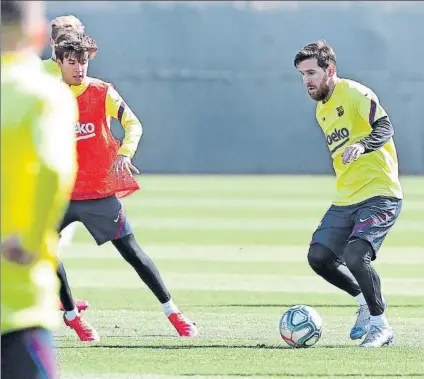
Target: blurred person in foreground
<point>359,135</point>
<point>105,174</point>
<point>38,167</point>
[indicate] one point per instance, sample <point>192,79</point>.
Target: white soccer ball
<point>301,326</point>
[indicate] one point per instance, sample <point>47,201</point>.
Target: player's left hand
<point>352,153</point>
<point>124,163</point>
<point>12,250</point>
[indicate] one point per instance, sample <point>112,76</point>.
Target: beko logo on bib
<point>85,131</point>
<point>337,135</point>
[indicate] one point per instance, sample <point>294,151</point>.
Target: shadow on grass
<point>206,346</point>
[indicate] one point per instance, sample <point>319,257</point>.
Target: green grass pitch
<point>232,250</point>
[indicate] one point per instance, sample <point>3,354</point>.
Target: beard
<point>321,92</point>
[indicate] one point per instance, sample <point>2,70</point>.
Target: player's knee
<point>358,254</point>
<point>319,255</point>
<point>130,250</point>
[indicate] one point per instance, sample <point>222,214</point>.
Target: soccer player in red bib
<point>359,135</point>
<point>105,175</point>
<point>61,26</point>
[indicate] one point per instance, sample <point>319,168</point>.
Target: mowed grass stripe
<point>146,212</point>
<point>301,237</point>
<point>142,298</point>
<point>233,282</point>
<point>254,268</point>
<point>249,360</point>
<point>304,184</point>
<point>285,204</point>
<point>249,225</point>
<point>246,302</point>
<point>145,376</point>
<point>242,193</point>
<point>154,376</point>
<point>228,253</point>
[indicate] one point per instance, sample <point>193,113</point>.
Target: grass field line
<point>147,376</point>
<point>213,202</point>
<point>127,376</point>
<point>248,224</point>
<point>106,278</point>
<point>154,376</point>
<point>244,202</point>
<point>228,253</point>
<point>172,182</point>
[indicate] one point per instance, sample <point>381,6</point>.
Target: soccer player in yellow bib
<point>359,135</point>
<point>38,167</point>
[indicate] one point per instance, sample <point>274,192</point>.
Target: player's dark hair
<point>12,12</point>
<point>75,44</point>
<point>320,50</point>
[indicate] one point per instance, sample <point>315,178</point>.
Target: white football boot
<point>378,337</point>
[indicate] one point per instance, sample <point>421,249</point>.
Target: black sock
<point>358,255</point>
<point>326,264</point>
<point>143,265</point>
<point>65,290</point>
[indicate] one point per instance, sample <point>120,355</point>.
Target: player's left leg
<point>373,220</point>
<point>67,235</point>
<point>28,354</point>
<point>105,219</point>
<point>149,274</point>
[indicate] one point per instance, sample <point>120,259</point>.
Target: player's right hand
<point>352,153</point>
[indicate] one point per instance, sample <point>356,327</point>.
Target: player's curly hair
<point>73,43</point>
<point>321,50</point>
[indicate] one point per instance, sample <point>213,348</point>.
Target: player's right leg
<point>327,246</point>
<point>325,258</point>
<point>28,354</point>
<point>66,236</point>
<point>72,317</point>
